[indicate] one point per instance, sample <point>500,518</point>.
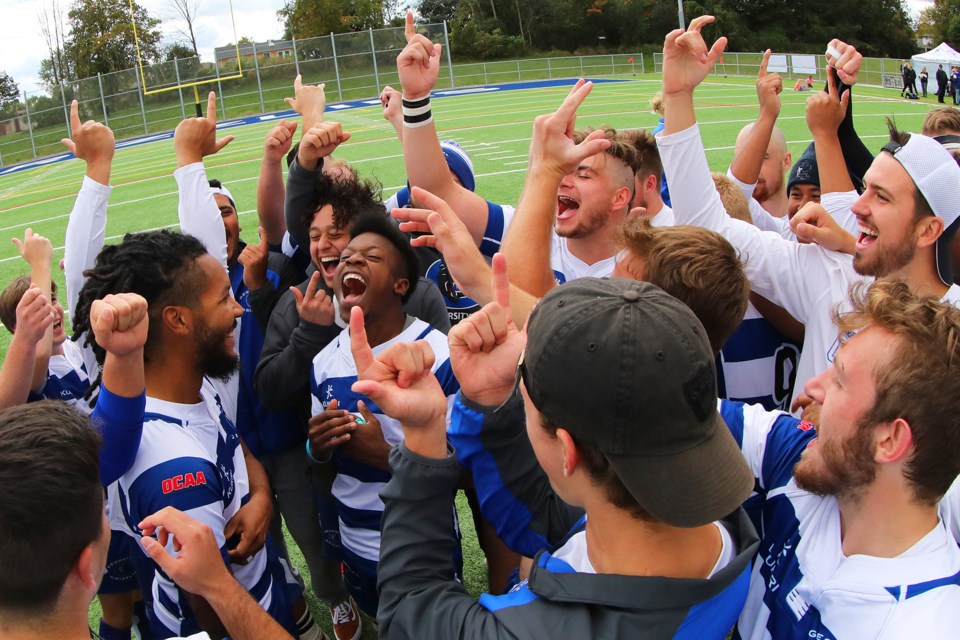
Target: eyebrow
<point>584,167</point>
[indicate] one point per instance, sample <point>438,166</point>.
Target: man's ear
<point>893,442</point>
<point>84,569</point>
<point>929,230</point>
<point>787,161</point>
<point>621,198</point>
<point>177,320</point>
<point>568,448</point>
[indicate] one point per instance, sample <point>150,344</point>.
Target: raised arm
<point>749,159</point>
<point>317,143</point>
<point>34,317</point>
<point>553,155</point>
<point>193,140</point>
<point>120,325</point>
<point>38,252</point>
<point>86,227</point>
<point>778,270</point>
<point>418,66</point>
<point>270,189</point>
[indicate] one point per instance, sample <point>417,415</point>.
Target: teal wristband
<point>310,454</point>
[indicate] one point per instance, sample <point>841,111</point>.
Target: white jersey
<point>86,230</point>
<point>805,279</point>
<point>357,486</point>
<point>664,218</point>
<point>567,267</point>
<point>837,205</point>
<point>189,458</point>
<point>802,586</point>
<point>69,376</point>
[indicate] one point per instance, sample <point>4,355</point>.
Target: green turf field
<point>494,127</point>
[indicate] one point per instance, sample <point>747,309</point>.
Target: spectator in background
<point>924,77</point>
<point>911,80</point>
<point>941,83</point>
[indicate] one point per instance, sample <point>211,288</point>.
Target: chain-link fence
<point>354,66</point>
<point>879,72</point>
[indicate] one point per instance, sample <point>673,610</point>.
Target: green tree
<point>432,11</point>
<point>9,95</point>
<point>102,38</point>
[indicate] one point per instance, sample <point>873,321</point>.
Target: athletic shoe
<point>346,620</point>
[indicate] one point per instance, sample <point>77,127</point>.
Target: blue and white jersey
<point>190,458</point>
<point>356,489</point>
<point>803,586</point>
<point>68,377</point>
<point>567,266</point>
<point>758,364</point>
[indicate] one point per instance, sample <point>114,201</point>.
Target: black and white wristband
<point>416,113</point>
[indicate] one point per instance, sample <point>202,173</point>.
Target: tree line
<point>87,37</point>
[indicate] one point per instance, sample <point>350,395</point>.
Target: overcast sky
<point>22,46</point>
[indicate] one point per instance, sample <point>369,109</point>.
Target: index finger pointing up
<point>212,106</point>
<point>359,346</point>
<point>764,63</point>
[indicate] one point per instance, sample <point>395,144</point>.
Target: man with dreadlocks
<point>190,455</point>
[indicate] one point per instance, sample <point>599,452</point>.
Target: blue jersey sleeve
<point>771,441</point>
<point>495,230</point>
<point>120,422</point>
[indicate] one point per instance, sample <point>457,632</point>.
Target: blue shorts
<point>120,575</point>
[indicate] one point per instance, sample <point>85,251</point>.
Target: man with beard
<point>563,228</point>
<point>907,213</point>
<point>853,545</point>
<point>258,278</point>
<point>190,455</point>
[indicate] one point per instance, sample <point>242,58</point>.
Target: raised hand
<point>686,59</point>
<point>418,64</point>
<point>391,100</point>
<point>400,382</point>
<point>120,323</point>
<point>848,64</point>
<point>449,235</point>
<point>552,148</point>
<point>35,249</point>
<point>319,142</point>
<point>196,138</point>
<point>769,86</point>
<point>34,315</point>
<point>93,143</point>
<point>254,260</point>
<point>314,305</point>
<point>485,348</point>
<point>309,100</point>
<point>278,141</point>
<point>826,109</point>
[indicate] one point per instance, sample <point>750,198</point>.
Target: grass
<point>494,127</point>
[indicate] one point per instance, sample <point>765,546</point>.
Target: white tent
<point>943,54</point>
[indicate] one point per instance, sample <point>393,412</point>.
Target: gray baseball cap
<point>628,369</point>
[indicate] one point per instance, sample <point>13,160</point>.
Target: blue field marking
<point>289,113</point>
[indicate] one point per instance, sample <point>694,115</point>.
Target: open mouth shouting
<point>567,207</point>
<point>867,236</point>
<point>328,267</point>
<point>352,287</point>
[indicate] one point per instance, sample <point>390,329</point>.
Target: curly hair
<point>161,266</point>
<point>920,383</point>
<point>349,196</point>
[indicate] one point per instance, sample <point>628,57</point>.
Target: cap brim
<point>695,487</point>
<point>944,255</point>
